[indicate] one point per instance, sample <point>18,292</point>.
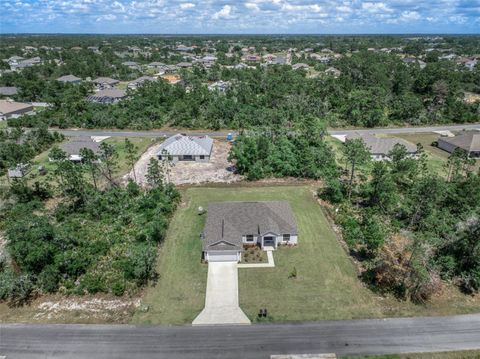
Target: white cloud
<point>108,17</point>
<point>252,6</point>
<point>223,13</point>
<point>187,5</point>
<point>411,15</point>
<point>376,7</point>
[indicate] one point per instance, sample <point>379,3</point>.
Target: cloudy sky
<point>238,16</point>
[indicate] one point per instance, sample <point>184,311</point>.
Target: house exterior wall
<point>176,159</point>
<point>17,113</point>
<point>278,239</point>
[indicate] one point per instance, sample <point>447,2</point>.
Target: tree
<point>90,160</point>
<point>355,154</point>
<point>109,160</point>
<point>131,155</point>
<point>154,174</point>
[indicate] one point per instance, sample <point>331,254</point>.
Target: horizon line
<point>247,34</point>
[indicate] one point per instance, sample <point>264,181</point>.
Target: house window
<point>286,237</point>
<point>202,157</point>
<point>160,158</point>
<point>249,237</point>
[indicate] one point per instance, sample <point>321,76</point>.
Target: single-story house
<point>131,65</point>
<point>20,171</point>
<point>139,82</point>
<point>71,79</point>
<point>186,148</point>
<point>72,148</point>
<point>12,109</point>
<point>107,96</point>
<point>232,225</point>
<point>221,86</point>
<point>299,66</point>
<point>469,141</point>
<point>380,147</point>
<point>155,65</point>
<point>104,82</point>
<point>184,65</point>
<point>8,91</point>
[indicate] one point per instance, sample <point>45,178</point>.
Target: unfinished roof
<point>227,222</point>
<point>180,145</point>
<point>73,147</point>
<point>69,78</point>
<point>7,107</point>
<point>468,141</point>
<point>382,145</point>
<point>105,80</point>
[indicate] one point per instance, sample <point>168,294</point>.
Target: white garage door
<point>222,256</point>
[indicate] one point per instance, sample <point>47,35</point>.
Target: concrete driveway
<point>221,302</point>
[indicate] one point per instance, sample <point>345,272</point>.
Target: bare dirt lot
<point>214,171</point>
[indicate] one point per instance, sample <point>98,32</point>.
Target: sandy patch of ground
<point>217,170</point>
<point>96,307</point>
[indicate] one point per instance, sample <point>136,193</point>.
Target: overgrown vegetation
<point>409,227</point>
<point>96,238</point>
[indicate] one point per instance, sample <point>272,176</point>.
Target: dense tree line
<point>411,228</point>
<point>101,237</point>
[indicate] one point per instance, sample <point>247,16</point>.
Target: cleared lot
<point>217,170</point>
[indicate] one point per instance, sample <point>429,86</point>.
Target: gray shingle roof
<point>382,145</point>
<point>227,222</point>
<point>180,145</point>
<point>105,80</point>
<point>74,146</point>
<point>469,141</point>
<point>8,91</point>
<point>69,78</point>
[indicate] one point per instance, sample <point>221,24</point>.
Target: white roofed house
<point>131,65</point>
<point>186,148</point>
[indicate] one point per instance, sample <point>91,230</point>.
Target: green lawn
<point>326,286</point>
<point>142,144</point>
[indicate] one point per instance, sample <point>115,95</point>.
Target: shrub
<point>333,192</point>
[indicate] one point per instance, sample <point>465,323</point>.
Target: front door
<point>269,241</point>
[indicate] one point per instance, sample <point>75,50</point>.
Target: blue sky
<point>248,16</point>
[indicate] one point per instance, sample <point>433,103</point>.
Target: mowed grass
<point>326,286</point>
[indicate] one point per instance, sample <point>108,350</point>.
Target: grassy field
<point>326,287</point>
<point>142,143</point>
<point>463,354</point>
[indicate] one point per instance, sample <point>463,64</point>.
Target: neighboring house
<point>186,148</point>
<point>171,79</point>
<point>380,147</point>
<point>104,82</point>
<point>131,65</point>
<point>183,48</point>
<point>332,71</point>
<point>12,109</point>
<point>299,66</point>
<point>221,86</point>
<point>8,91</point>
<point>469,141</point>
<point>72,148</point>
<point>155,65</point>
<point>71,79</point>
<point>184,65</point>
<point>107,96</point>
<point>20,65</point>
<point>232,225</point>
<point>139,82</point>
<point>20,171</point>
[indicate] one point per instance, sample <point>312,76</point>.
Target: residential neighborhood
<point>284,194</point>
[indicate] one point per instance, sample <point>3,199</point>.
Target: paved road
<point>256,341</point>
<point>158,133</point>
